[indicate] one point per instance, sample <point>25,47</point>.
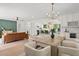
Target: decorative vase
<point>52,35</point>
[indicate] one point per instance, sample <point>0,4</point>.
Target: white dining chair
<point>68,51</point>
<point>30,50</point>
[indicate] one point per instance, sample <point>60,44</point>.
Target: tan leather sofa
<point>15,36</point>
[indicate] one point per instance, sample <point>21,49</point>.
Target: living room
<point>52,29</point>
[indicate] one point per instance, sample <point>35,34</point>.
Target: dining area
<point>43,45</point>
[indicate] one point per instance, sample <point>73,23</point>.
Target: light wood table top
<point>48,40</point>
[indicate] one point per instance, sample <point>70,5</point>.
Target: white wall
<point>67,18</point>
<point>31,24</point>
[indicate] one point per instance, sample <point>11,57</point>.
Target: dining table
<point>47,40</point>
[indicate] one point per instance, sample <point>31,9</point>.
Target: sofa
<point>14,36</point>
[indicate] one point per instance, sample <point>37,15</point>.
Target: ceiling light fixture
<point>53,14</point>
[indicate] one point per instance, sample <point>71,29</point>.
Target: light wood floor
<point>13,49</point>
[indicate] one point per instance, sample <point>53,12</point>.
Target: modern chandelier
<point>53,14</point>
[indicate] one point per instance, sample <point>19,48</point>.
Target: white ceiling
<point>36,9</point>
<point>67,8</point>
<point>24,9</point>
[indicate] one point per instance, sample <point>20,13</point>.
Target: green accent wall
<point>8,25</point>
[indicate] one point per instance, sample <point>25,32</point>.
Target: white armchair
<point>74,39</point>
<point>70,43</point>
<point>68,51</point>
<point>30,50</point>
